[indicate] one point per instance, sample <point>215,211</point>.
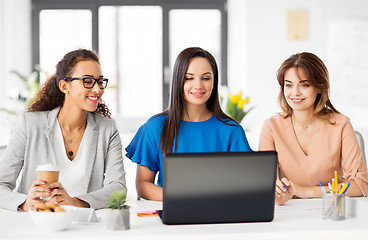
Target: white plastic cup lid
<point>47,167</point>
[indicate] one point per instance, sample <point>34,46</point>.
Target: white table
<point>298,219</point>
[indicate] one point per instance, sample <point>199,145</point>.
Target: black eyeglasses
<point>89,82</point>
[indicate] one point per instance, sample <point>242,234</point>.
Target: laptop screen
<point>219,187</point>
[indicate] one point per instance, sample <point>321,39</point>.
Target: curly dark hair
<point>50,96</point>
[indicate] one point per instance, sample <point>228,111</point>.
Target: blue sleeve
<point>239,141</point>
<point>143,151</point>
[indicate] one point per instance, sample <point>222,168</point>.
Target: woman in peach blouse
<point>312,139</point>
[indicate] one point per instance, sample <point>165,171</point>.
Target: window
<point>56,30</point>
<point>194,28</point>
<point>138,42</point>
<point>131,57</point>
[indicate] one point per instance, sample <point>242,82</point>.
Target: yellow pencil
<point>337,183</point>
<point>333,186</point>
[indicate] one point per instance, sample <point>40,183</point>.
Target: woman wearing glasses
<point>69,126</point>
<point>194,122</point>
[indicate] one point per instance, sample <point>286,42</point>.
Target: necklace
<point>304,126</point>
<point>72,141</point>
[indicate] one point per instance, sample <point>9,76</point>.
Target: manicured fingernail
<point>283,194</point>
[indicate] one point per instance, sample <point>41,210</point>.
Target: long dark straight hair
<point>171,126</point>
<point>50,96</point>
<point>317,74</point>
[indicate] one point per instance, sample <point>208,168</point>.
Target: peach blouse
<point>335,149</point>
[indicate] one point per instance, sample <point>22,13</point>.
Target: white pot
<point>118,219</point>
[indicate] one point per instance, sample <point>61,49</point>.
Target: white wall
<point>258,45</point>
<point>347,59</point>
<point>15,52</point>
<point>15,43</point>
<point>267,47</point>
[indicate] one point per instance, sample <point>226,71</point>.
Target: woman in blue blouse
<point>194,122</point>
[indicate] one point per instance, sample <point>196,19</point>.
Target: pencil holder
<point>333,206</point>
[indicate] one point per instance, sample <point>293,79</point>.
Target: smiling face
<point>298,91</point>
<point>198,82</point>
<point>76,94</point>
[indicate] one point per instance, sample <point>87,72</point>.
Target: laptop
<point>226,187</point>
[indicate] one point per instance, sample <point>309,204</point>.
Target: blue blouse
<point>211,135</point>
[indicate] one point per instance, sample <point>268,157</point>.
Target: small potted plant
<point>118,215</point>
<point>235,106</point>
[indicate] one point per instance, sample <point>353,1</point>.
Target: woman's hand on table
<point>284,191</point>
<point>35,195</point>
<point>307,192</point>
<point>60,196</point>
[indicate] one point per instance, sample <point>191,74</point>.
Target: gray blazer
<point>30,145</point>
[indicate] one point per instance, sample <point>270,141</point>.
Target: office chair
<point>361,144</point>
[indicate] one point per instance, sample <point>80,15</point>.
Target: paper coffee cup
<point>48,173</point>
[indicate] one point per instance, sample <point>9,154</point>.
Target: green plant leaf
<point>117,200</point>
<point>115,86</point>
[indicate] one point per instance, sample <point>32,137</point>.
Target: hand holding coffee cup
<point>39,192</point>
<point>59,195</point>
<point>34,196</point>
<point>48,173</point>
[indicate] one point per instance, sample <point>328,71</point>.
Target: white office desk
<point>298,219</point>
